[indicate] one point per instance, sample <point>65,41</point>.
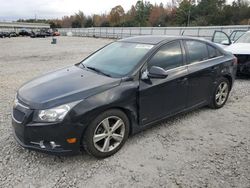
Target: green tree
<point>79,20</point>
<point>129,20</point>
<point>89,22</point>
<point>207,12</point>
<point>183,13</point>
<point>143,10</point>
<point>241,11</point>
<point>210,11</point>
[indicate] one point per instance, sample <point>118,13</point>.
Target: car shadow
<point>243,77</point>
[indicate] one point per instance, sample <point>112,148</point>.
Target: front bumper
<point>49,138</point>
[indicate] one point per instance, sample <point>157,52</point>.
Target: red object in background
<point>56,33</point>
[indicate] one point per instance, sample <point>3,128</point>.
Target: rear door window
<point>213,52</point>
<point>197,51</point>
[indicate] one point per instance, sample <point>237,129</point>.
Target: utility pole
<point>189,12</point>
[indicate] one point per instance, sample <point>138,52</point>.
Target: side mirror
<point>157,72</point>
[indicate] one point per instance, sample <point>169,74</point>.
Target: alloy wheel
<point>221,93</point>
<point>109,134</point>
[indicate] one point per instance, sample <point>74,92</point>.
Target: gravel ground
<point>203,148</point>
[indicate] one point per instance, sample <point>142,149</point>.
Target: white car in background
<point>240,47</point>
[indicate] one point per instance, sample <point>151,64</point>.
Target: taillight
<point>235,61</point>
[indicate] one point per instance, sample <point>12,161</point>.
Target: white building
<point>19,25</point>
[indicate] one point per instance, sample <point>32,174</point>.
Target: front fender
<point>123,97</point>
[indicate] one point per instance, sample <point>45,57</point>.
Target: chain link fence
<point>123,32</point>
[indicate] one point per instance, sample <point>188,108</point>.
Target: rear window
<point>197,51</point>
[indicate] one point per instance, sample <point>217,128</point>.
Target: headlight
<point>54,114</point>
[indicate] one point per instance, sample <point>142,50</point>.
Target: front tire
<point>106,134</point>
<point>221,93</point>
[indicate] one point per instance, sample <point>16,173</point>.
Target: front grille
<point>18,115</point>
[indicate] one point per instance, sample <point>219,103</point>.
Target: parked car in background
<point>55,33</point>
<point>8,34</point>
<point>48,33</point>
<point>4,34</point>
<point>38,34</point>
<point>24,32</point>
<point>235,34</point>
<point>119,90</point>
<point>1,34</point>
<point>13,34</point>
<point>220,37</point>
<point>240,48</point>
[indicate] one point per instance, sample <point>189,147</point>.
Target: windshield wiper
<point>97,70</point>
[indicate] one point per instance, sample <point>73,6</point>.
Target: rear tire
<point>220,94</point>
<point>106,134</point>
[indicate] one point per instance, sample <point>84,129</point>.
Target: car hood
<point>239,48</point>
<point>64,86</point>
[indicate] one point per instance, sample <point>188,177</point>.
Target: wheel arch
<point>128,111</point>
<point>230,79</point>
<point>131,115</point>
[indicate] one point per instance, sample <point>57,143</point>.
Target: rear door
<point>203,66</point>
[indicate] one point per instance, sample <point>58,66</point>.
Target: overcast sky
<point>15,9</point>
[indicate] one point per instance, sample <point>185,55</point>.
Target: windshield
<point>244,38</point>
<point>117,59</point>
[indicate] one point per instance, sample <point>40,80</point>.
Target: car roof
<point>155,39</point>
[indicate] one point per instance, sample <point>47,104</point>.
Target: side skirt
<point>138,128</point>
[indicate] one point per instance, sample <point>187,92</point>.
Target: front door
<point>161,97</point>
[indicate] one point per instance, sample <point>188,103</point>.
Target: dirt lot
<point>204,148</point>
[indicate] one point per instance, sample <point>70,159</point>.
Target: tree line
<point>145,14</point>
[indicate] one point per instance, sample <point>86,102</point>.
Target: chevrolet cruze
<point>120,90</point>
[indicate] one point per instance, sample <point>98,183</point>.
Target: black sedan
<point>4,34</point>
<point>120,90</point>
<point>24,32</point>
<point>38,34</point>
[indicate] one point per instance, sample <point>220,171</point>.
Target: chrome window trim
<point>194,63</point>
<point>177,68</point>
<point>204,61</point>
